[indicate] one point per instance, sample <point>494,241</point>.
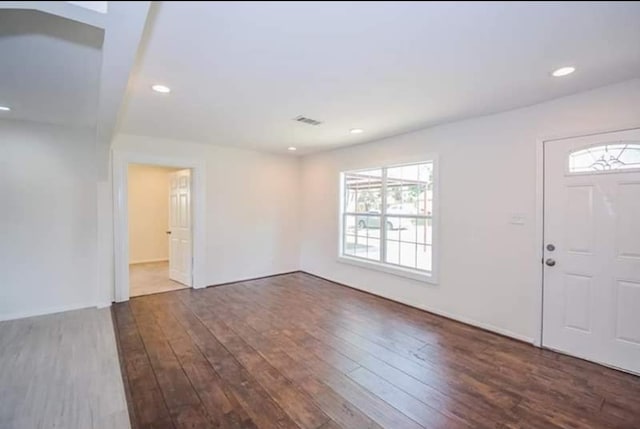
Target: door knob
<point>550,262</point>
<point>168,232</point>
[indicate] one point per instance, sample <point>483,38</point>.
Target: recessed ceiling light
<point>291,148</point>
<point>356,131</point>
<point>563,71</point>
<point>161,88</point>
<point>5,108</point>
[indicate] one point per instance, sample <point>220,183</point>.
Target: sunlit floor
<point>152,277</point>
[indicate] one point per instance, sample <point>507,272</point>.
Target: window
<point>387,218</point>
<point>614,156</point>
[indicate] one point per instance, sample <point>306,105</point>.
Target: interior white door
<point>592,248</point>
<point>180,247</point>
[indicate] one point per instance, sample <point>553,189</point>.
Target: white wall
<point>56,251</point>
<point>148,213</point>
<point>261,208</point>
<point>48,221</point>
<point>489,268</point>
<point>251,206</point>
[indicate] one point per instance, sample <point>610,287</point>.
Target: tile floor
<point>152,277</point>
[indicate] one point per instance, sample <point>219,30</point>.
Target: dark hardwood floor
<point>295,351</point>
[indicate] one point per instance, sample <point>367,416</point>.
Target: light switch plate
<point>517,219</point>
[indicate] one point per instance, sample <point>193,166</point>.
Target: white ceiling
<point>240,71</point>
<point>49,68</point>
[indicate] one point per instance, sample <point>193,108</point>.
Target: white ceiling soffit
<point>124,30</point>
<point>50,68</point>
<point>96,6</point>
<point>70,61</point>
<point>84,12</point>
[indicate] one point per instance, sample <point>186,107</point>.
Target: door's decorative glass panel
<point>607,157</point>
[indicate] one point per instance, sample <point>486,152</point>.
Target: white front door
<point>592,248</point>
<point>180,227</point>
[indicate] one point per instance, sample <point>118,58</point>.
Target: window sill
<point>398,271</point>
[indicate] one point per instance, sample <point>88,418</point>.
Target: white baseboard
<point>50,310</point>
<point>456,317</point>
<point>148,261</point>
<point>247,279</point>
<point>103,305</point>
<point>481,325</point>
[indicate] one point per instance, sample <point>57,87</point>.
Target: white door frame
<point>539,220</point>
<point>121,161</point>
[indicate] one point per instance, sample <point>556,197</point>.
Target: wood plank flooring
<point>61,371</point>
<point>296,351</point>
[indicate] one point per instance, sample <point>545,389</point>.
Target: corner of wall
<point>300,210</point>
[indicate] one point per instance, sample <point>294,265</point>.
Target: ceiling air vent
<point>306,120</point>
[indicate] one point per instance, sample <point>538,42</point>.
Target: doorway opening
<point>160,243</point>
<point>196,271</point>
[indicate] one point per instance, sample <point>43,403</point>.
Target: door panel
<point>577,302</point>
<point>592,217</point>
<point>180,226</point>
<point>628,222</point>
<point>628,328</point>
<point>579,219</point>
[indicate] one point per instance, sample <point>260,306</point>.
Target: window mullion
<point>383,218</point>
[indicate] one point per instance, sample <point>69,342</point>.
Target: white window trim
<point>430,277</point>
